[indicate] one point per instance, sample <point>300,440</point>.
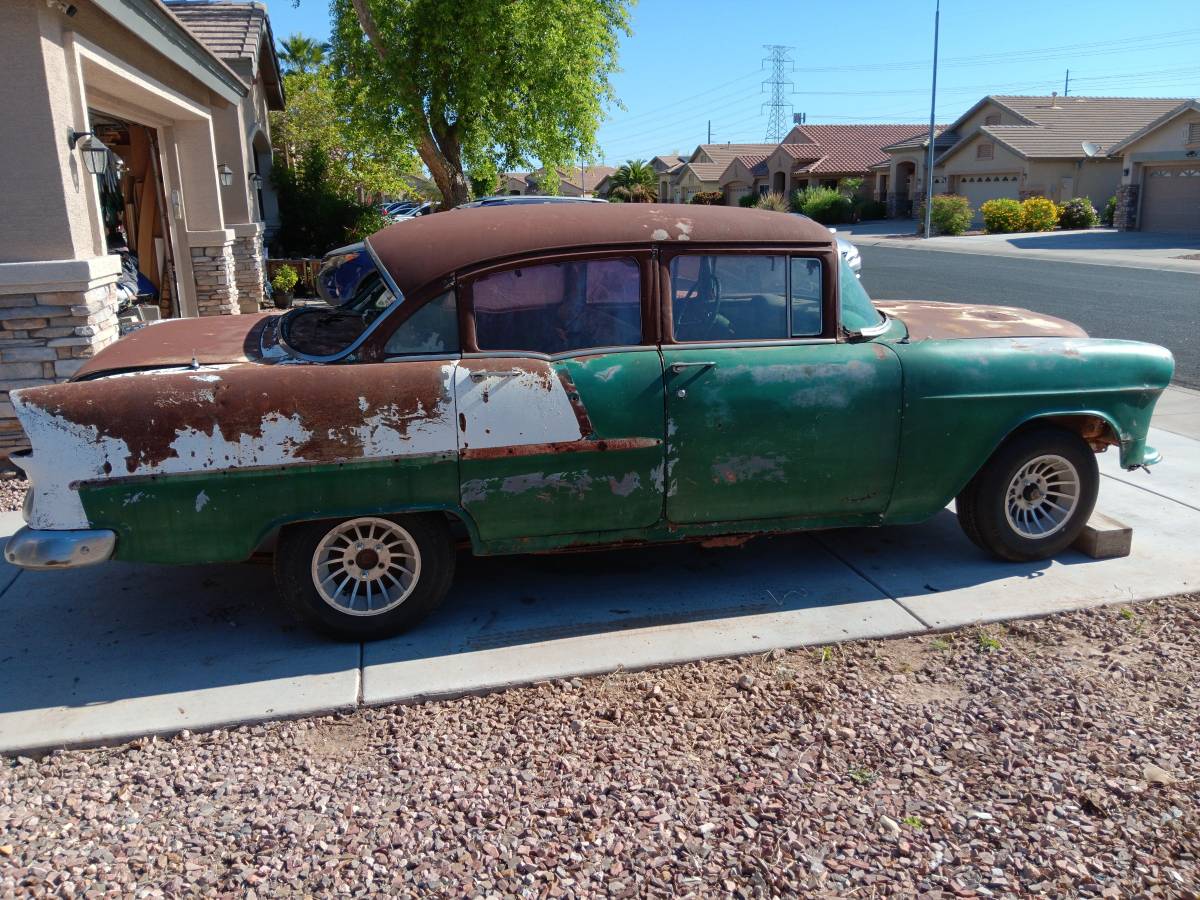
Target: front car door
<point>559,397</point>
<point>770,415</point>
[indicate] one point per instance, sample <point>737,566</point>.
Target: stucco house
<point>138,138</point>
<point>573,182</point>
<point>1160,173</point>
<point>1056,147</point>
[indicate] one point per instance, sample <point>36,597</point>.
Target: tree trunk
<point>447,174</point>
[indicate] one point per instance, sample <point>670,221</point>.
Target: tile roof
<point>942,139</point>
<point>725,153</point>
<point>707,171</point>
<point>848,148</point>
<point>1064,123</point>
<point>235,32</point>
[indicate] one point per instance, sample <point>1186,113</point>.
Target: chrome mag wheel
<point>366,566</point>
<point>1041,496</point>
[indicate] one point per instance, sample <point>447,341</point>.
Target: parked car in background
<point>558,377</point>
<point>525,199</point>
<point>342,270</point>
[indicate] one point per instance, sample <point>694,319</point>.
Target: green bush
<point>850,186</point>
<point>285,279</point>
<point>773,202</point>
<point>1039,214</point>
<point>314,217</point>
<point>951,214</point>
<point>1110,212</point>
<point>1078,212</point>
<point>825,205</point>
<point>708,198</point>
<point>1002,216</point>
<point>748,200</point>
<point>865,210</point>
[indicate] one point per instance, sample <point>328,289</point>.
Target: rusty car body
<point>547,378</point>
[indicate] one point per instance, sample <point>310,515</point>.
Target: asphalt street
<point>1108,301</point>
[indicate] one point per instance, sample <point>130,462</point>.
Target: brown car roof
<point>417,252</point>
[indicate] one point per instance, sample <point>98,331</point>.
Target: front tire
<point>365,578</point>
<point>1033,497</point>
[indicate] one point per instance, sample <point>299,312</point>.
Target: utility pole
<point>709,141</point>
<point>937,15</point>
<point>1067,84</point>
<point>778,105</point>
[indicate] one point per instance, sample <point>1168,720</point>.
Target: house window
<point>985,151</point>
<point>1193,136</point>
<point>993,119</point>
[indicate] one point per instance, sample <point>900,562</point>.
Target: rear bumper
<point>33,549</point>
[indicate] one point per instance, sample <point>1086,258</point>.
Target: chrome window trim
<point>731,345</point>
<point>566,354</point>
<point>423,357</point>
<point>875,330</point>
<point>386,277</point>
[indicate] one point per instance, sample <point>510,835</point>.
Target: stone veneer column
<point>45,337</point>
<point>1125,215</point>
<point>214,271</point>
<point>248,265</point>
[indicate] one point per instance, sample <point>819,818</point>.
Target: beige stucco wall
<point>1167,143</point>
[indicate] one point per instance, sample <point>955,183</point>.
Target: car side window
<point>745,297</point>
<point>560,306</point>
<point>431,329</point>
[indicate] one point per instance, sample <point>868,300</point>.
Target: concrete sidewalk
<point>1096,246</point>
<point>121,650</point>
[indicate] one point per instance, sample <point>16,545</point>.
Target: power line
<point>780,109</point>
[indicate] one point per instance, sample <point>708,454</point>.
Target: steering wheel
<point>708,310</point>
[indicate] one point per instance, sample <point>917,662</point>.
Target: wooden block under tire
<point>1103,537</point>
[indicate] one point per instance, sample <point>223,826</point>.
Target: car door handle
<point>480,374</point>
<point>678,367</point>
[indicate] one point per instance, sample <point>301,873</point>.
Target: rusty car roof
<point>417,252</point>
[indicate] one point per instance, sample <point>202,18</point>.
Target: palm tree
<point>635,182</point>
<point>301,55</point>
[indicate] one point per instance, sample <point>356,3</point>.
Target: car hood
<point>927,320</point>
<point>210,340</point>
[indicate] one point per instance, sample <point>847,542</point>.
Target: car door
<point>559,397</point>
<point>769,414</point>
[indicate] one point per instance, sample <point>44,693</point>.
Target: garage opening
<point>137,226</point>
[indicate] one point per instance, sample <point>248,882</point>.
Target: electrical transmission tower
<point>780,108</point>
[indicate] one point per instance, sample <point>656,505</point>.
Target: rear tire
<point>1033,497</point>
<point>365,578</point>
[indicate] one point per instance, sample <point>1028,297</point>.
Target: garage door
<point>1171,199</point>
<point>978,189</point>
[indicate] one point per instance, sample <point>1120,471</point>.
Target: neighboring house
<point>1056,147</point>
<point>179,133</point>
<point>664,167</point>
<point>703,169</point>
<point>1160,173</point>
<point>573,182</point>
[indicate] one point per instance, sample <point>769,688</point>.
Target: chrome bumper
<point>33,549</point>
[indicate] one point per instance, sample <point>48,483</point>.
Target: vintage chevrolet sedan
<point>559,377</point>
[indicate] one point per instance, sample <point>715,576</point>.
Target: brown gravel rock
<point>1005,767</point>
<point>12,492</point>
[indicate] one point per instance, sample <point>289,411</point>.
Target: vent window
<point>993,119</point>
<point>985,151</point>
<point>1193,136</point>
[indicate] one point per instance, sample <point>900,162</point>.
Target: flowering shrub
<point>708,198</point>
<point>1039,214</point>
<point>1078,212</point>
<point>1002,216</point>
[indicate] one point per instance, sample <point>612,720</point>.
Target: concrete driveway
<point>122,650</point>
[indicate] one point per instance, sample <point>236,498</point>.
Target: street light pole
<point>937,14</point>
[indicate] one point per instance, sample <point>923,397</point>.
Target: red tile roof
<point>848,148</point>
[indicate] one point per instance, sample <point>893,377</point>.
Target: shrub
<point>1078,212</point>
<point>951,214</point>
<point>869,209</point>
<point>748,200</point>
<point>1002,216</point>
<point>773,202</point>
<point>314,215</point>
<point>285,279</point>
<point>371,221</point>
<point>1110,212</point>
<point>850,186</point>
<point>1039,214</point>
<point>708,198</point>
<point>825,205</point>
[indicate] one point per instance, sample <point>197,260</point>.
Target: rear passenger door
<point>559,398</point>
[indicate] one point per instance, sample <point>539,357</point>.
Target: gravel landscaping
<point>1056,757</point>
<point>12,493</point>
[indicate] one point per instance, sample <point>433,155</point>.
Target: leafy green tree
<point>302,55</point>
<point>482,85</point>
<point>635,181</point>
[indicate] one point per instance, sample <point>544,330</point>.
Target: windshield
<point>858,312</point>
<point>321,331</point>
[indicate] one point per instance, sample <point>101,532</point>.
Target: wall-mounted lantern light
<point>226,174</point>
<point>256,180</point>
<point>95,154</point>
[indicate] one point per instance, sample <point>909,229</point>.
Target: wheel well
<point>1096,430</point>
<point>460,532</point>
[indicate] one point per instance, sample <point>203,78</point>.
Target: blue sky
<point>687,63</point>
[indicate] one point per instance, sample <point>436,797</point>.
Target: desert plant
<point>635,182</point>
<point>1110,212</point>
<point>708,198</point>
<point>773,202</point>
<point>822,204</point>
<point>1078,212</point>
<point>951,214</point>
<point>1039,214</point>
<point>1001,216</point>
<point>285,279</point>
<point>748,200</point>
